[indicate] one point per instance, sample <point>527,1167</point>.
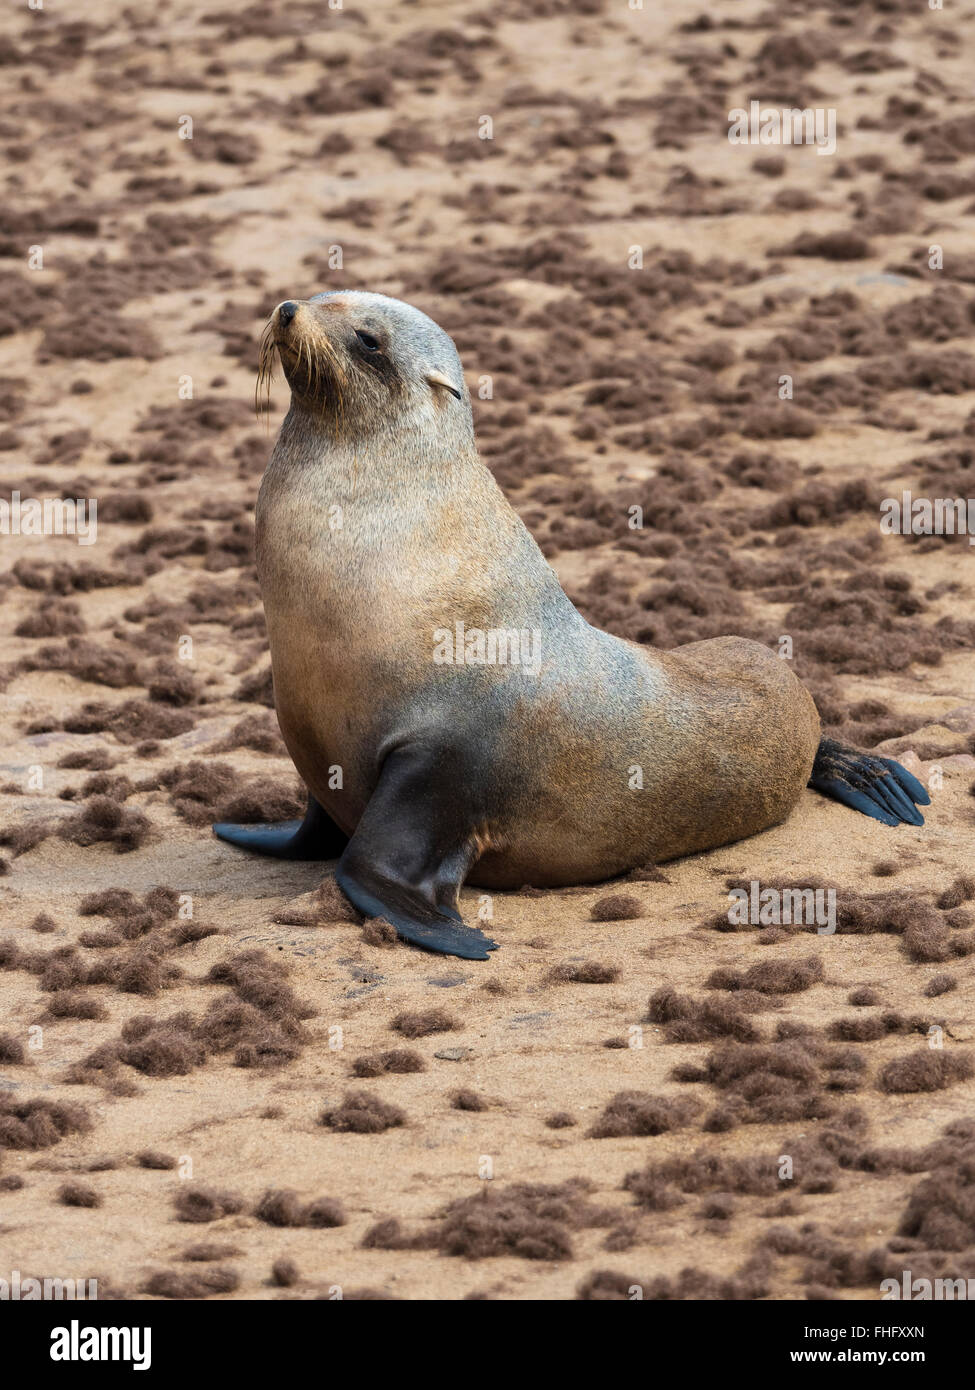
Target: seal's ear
<point>436,378</point>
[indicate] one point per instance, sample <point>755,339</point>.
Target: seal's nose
<point>286,312</point>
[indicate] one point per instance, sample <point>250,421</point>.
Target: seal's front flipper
<point>879,787</point>
<point>412,850</point>
<point>315,837</point>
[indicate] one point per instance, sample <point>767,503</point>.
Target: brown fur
<point>723,731</point>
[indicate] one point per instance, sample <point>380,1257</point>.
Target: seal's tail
<point>879,787</point>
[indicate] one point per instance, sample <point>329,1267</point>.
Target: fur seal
<point>451,713</point>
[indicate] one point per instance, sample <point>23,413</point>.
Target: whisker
<point>265,373</point>
<point>318,375</point>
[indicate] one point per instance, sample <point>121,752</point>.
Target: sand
<point>340,148</point>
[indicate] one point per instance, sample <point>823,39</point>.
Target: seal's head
<point>359,361</point>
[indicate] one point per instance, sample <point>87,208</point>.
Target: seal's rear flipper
<point>412,849</point>
<point>315,837</point>
<point>878,787</point>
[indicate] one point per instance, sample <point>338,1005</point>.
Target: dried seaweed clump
<point>262,1020</point>
<point>871,1027</point>
<point>11,1050</point>
<point>928,1070</point>
<point>863,997</point>
<point>326,904</point>
<point>69,1003</point>
<point>362,1113</point>
<point>157,1048</point>
<point>962,890</point>
<point>37,1124</point>
<point>661,1185</point>
<point>419,1025</point>
<point>175,1283</point>
<point>397,1059</point>
<point>259,1020</point>
<point>688,1020</point>
<point>197,788</point>
<point>790,1080</point>
<point>751,1280</point>
<point>283,1207</point>
<point>261,801</point>
<point>285,1273</point>
<point>331,904</point>
<point>924,932</point>
<point>78,1194</point>
<point>937,1222</point>
<point>376,931</point>
<point>152,1158</point>
<point>200,1204</point>
<point>131,919</point>
<point>173,684</point>
<point>587,972</point>
<point>466,1099</point>
<point>102,820</point>
<point>257,731</point>
<point>203,1250</point>
<point>940,1212</point>
<point>616,907</point>
<point>642,1114</point>
<point>771,976</point>
<point>533,1221</point>
<point>940,984</point>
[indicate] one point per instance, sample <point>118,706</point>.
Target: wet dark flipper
<point>413,848</point>
<point>876,786</point>
<point>315,837</point>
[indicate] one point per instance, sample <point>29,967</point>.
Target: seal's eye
<point>370,343</point>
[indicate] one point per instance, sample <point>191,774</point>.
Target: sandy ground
<point>611,387</point>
